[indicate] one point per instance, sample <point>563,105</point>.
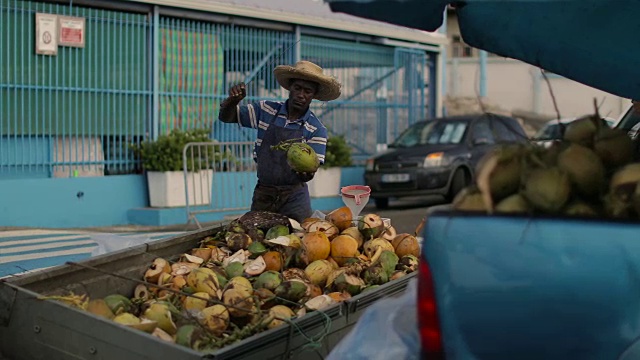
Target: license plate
<point>395,178</point>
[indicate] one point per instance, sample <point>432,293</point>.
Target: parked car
<point>630,122</point>
<point>551,131</point>
<point>437,156</point>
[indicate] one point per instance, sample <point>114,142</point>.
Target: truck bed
<point>33,329</point>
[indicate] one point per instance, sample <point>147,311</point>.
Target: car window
<point>482,132</point>
<point>446,133</point>
<point>549,132</point>
<point>507,131</point>
<point>432,132</point>
<point>630,119</point>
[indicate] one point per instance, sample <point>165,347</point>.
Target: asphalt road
<point>405,214</point>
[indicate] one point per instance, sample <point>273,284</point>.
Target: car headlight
<point>370,165</point>
<point>434,160</point>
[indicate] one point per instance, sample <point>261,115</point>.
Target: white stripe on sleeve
<point>252,117</point>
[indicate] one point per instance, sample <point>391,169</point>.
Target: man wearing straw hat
<point>279,188</point>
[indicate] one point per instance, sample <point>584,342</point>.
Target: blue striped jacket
<point>262,114</point>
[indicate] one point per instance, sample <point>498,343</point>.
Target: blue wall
<point>108,201</point>
<point>71,202</point>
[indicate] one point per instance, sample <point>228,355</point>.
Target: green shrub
<point>166,153</point>
<point>338,152</point>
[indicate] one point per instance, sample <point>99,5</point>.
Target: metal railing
<point>218,177</point>
<point>73,114</point>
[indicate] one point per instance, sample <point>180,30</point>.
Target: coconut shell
<point>375,275</point>
<point>291,290</point>
<point>636,199</point>
<point>216,319</point>
<point>317,245</point>
<point>406,245</point>
<point>581,131</point>
<point>580,208</point>
<point>341,217</point>
<point>548,190</point>
<point>354,233</point>
<point>498,174</point>
<point>280,313</point>
<point>614,147</point>
<point>273,260</point>
<point>585,169</point>
<point>470,199</point>
<point>343,248</point>
<point>514,204</point>
<point>318,271</point>
<point>371,226</point>
<point>238,303</point>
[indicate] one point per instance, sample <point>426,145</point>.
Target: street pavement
<point>405,214</point>
<point>25,250</point>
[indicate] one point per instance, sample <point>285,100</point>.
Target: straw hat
<point>328,86</point>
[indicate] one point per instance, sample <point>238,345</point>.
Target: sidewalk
<point>23,250</point>
<point>26,249</point>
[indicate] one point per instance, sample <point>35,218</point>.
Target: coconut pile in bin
<point>260,272</point>
<point>591,172</point>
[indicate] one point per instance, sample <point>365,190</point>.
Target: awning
<point>594,42</point>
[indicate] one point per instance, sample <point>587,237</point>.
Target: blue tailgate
<point>520,288</point>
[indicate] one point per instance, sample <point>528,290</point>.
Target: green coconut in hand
<point>300,156</point>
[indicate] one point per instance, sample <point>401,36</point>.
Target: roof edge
<point>412,35</point>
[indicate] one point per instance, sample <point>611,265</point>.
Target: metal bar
<point>156,72</point>
<point>262,63</point>
<point>79,89</point>
<point>297,54</point>
<point>28,96</point>
<point>483,73</point>
<point>75,132</point>
<point>224,19</point>
<point>334,34</point>
<point>228,172</point>
<point>356,94</point>
<point>423,68</point>
<point>127,6</point>
<point>433,80</point>
<point>396,93</point>
<point>103,71</point>
<point>15,63</point>
<point>3,65</point>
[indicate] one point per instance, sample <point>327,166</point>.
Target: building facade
<point>513,85</point>
<point>70,112</point>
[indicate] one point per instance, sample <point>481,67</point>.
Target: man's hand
<point>305,176</point>
<point>236,94</point>
<point>228,106</point>
<point>238,91</point>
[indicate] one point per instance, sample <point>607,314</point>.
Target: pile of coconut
<point>589,173</point>
<point>262,271</point>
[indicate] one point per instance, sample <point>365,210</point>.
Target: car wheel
<point>458,182</point>
<point>381,203</point>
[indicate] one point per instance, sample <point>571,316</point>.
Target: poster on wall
<point>46,34</point>
<point>71,31</point>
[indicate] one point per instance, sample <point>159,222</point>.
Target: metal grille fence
<point>141,75</point>
<point>73,114</point>
<point>218,177</point>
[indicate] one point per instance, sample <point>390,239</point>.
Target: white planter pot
<point>325,183</point>
<point>167,189</point>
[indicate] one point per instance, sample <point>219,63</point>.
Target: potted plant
<point>326,182</point>
<point>162,159</point>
